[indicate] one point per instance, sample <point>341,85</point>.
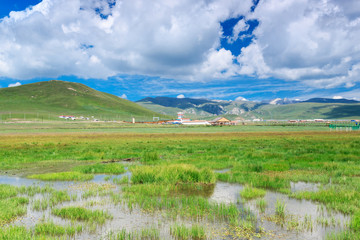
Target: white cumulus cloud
<point>14,84</point>
<point>309,41</point>
<point>92,39</point>
<point>306,40</point>
<point>241,99</point>
<point>123,96</point>
<point>180,96</point>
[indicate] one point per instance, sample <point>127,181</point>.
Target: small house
<point>220,121</point>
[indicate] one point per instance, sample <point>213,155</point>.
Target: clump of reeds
<point>63,176</point>
<point>82,214</point>
<point>108,168</point>
<point>182,232</point>
<point>280,209</point>
<point>261,204</point>
<point>250,192</point>
<point>177,173</point>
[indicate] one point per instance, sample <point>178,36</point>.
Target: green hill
<point>309,110</point>
<point>53,98</point>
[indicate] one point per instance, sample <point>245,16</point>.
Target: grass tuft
<point>63,176</point>
<point>250,193</point>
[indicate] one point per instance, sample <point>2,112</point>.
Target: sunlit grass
<point>82,214</point>
<point>182,232</point>
<point>51,229</point>
<point>250,193</point>
<point>63,176</point>
<point>108,168</point>
<point>171,174</point>
<point>266,161</point>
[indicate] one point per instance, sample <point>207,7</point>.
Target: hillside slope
<point>67,98</point>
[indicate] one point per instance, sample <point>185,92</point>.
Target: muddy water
<point>135,220</point>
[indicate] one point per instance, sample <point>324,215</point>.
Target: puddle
<point>226,192</point>
<point>297,209</point>
<point>221,192</point>
<point>59,185</point>
<point>225,170</point>
<point>304,186</point>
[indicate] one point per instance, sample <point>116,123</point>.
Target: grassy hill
<point>53,98</point>
<point>308,110</point>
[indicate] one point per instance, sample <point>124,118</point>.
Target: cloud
<point>14,84</point>
<point>123,96</point>
<point>240,26</point>
<point>337,97</point>
<point>99,39</point>
<point>180,96</point>
<point>241,99</point>
<point>311,41</point>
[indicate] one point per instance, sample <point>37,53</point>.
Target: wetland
<point>223,185</point>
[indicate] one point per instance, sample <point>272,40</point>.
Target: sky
<point>215,49</point>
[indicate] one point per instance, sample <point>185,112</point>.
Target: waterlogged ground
<point>250,185</point>
<point>303,219</point>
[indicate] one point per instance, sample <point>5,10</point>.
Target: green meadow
<point>173,175</point>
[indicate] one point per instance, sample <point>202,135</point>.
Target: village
<point>223,121</point>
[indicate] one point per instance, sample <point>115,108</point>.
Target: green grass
<point>171,174</point>
<point>159,197</point>
<point>57,197</point>
<point>82,214</point>
<point>47,100</point>
<point>249,193</point>
<point>108,168</point>
<point>263,160</point>
<point>355,222</point>
<point>51,229</point>
<point>11,208</point>
<point>7,191</point>
<point>151,233</point>
<point>335,197</point>
<point>280,209</point>
<point>344,235</point>
<point>182,232</point>
<point>15,233</point>
<point>123,180</point>
<point>261,204</point>
<point>63,176</point>
<point>13,203</point>
<point>42,231</point>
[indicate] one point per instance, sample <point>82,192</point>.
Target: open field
<point>136,183</point>
<point>64,126</point>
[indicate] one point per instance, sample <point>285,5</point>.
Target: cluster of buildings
<point>187,121</point>
<point>79,118</point>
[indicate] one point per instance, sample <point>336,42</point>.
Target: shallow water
<point>299,209</point>
<point>221,193</point>
<point>304,186</point>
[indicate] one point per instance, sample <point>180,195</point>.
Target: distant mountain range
<point>54,98</point>
<point>272,109</point>
<point>331,100</point>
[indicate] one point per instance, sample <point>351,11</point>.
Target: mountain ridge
<point>268,109</point>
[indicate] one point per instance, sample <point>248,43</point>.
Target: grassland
<point>46,127</point>
<point>47,100</point>
<point>266,161</point>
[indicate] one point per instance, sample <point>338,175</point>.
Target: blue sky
<point>217,49</point>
